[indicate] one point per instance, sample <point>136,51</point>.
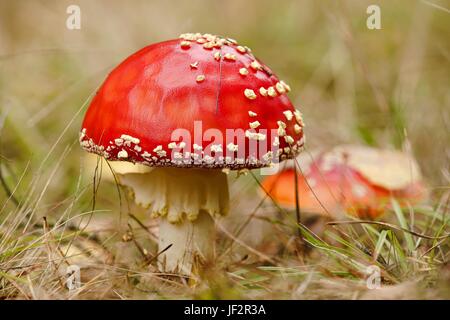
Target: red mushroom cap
<point>343,178</point>
<point>205,85</point>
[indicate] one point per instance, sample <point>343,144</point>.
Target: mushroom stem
<point>186,200</point>
<point>188,243</point>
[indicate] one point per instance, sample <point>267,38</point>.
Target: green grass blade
<point>379,245</point>
<point>401,219</point>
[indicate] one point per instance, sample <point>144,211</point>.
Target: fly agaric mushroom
<point>190,107</point>
<point>357,180</point>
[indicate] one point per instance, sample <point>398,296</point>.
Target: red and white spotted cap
<point>197,101</point>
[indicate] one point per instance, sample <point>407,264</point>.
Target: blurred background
<point>387,88</point>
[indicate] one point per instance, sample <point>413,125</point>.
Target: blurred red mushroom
<point>198,82</point>
<point>356,180</point>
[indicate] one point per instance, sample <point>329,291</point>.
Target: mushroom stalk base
<point>188,243</point>
<point>186,200</point>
